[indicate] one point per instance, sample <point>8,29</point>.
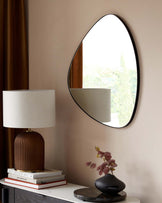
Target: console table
<point>61,194</point>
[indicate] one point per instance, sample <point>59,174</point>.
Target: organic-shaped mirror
<point>105,61</point>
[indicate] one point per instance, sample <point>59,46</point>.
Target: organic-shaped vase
<point>109,184</point>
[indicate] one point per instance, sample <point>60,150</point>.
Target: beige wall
<point>55,29</point>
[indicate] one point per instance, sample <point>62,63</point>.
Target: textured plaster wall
<point>56,27</point>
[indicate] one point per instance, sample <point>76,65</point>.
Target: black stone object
<point>109,184</point>
<point>94,195</point>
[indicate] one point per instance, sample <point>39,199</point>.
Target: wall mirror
<point>103,77</point>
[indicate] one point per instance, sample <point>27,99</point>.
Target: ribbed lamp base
<point>29,152</point>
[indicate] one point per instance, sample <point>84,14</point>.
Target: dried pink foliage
<point>108,164</point>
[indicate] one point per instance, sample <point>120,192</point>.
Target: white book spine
<point>35,186</point>
<point>35,174</point>
<point>37,181</point>
<point>19,173</point>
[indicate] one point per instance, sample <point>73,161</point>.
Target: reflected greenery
<point>123,85</point>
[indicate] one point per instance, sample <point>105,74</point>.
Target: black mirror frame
<point>138,73</point>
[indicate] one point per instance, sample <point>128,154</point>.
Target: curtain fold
<point>13,67</point>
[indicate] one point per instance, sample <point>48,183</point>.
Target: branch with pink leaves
<point>108,165</point>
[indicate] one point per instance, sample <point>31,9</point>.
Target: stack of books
<point>36,180</point>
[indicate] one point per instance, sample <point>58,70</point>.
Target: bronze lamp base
<point>29,151</point>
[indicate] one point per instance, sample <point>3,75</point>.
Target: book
<point>37,180</point>
<point>35,186</point>
<point>34,175</point>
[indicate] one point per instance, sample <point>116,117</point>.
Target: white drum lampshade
<point>29,109</point>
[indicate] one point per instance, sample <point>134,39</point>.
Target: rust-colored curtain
<point>13,67</point>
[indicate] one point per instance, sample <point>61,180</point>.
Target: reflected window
<point>107,58</point>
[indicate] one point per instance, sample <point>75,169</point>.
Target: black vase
<point>109,184</point>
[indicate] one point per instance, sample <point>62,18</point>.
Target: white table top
<point>64,192</point>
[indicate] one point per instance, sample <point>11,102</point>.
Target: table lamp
<point>29,109</point>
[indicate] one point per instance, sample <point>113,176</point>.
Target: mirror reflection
<point>106,59</point>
